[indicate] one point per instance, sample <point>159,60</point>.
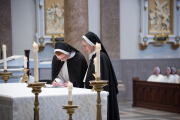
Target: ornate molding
<point>56,36</point>
<point>176,45</point>
<point>41,46</point>
<point>161,38</point>
<point>143,46</point>
<point>178,4</point>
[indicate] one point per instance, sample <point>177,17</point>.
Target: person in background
<point>179,75</point>
<point>173,72</point>
<point>68,64</point>
<point>168,78</point>
<point>157,77</point>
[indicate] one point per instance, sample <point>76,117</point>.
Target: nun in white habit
<point>168,78</point>
<point>179,75</point>
<point>173,72</point>
<point>157,77</point>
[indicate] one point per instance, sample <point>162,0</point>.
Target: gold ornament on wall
<point>176,45</point>
<point>53,39</point>
<point>161,38</point>
<point>41,46</point>
<point>143,46</point>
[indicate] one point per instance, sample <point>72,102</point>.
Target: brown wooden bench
<point>158,96</point>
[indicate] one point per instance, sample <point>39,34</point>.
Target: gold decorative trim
<point>143,46</point>
<point>176,45</point>
<point>56,36</point>
<point>41,46</point>
<point>144,5</point>
<point>40,6</point>
<point>159,38</point>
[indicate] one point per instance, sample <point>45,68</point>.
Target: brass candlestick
<point>36,89</point>
<point>96,78</point>
<point>25,78</point>
<point>98,86</point>
<point>70,109</point>
<point>5,75</point>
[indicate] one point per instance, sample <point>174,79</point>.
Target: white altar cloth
<point>17,103</point>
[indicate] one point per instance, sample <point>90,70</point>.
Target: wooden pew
<point>158,96</point>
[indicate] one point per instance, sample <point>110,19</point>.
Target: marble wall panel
<point>76,23</point>
<point>5,26</point>
<point>110,29</point>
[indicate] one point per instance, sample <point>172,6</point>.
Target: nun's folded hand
<point>65,84</point>
<point>55,83</point>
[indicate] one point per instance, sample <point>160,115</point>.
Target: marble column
<point>110,29</point>
<point>5,26</point>
<point>76,23</point>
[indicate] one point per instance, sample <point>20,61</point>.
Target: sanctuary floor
<point>127,112</point>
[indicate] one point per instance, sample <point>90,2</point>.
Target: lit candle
<point>25,61</point>
<point>4,56</point>
<point>70,87</point>
<point>95,64</point>
<point>35,49</point>
<point>98,48</point>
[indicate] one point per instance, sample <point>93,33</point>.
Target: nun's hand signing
<point>65,84</point>
<point>55,83</point>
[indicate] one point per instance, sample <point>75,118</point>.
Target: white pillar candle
<point>95,64</point>
<point>70,87</point>
<point>35,49</point>
<point>4,56</point>
<point>98,48</point>
<point>25,61</point>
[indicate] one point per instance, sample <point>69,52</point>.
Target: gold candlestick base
<point>70,109</point>
<point>25,78</point>
<point>5,75</point>
<point>36,89</point>
<point>98,86</point>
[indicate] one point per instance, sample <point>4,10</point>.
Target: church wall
<point>23,26</point>
<point>129,35</point>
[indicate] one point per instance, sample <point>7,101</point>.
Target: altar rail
<point>158,96</point>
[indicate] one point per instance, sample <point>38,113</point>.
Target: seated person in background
<point>31,78</point>
<point>173,72</point>
<point>168,78</point>
<point>68,64</point>
<point>157,77</point>
<point>179,75</point>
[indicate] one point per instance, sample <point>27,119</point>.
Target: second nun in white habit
<point>173,72</point>
<point>157,77</point>
<point>168,78</point>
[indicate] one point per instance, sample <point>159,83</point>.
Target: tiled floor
<point>127,112</point>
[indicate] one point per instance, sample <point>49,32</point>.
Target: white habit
<point>154,78</point>
<point>176,78</point>
<point>63,75</point>
<point>169,79</point>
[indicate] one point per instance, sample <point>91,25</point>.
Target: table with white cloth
<point>17,103</point>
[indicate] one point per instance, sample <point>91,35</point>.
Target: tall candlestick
<point>70,87</point>
<point>95,64</point>
<point>4,56</point>
<point>35,49</point>
<point>25,61</point>
<point>98,48</point>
